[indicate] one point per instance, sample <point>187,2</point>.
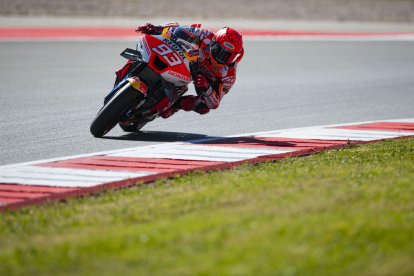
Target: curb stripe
<point>189,151</point>
<point>339,134</point>
<point>9,201</point>
<point>63,177</point>
<point>128,164</point>
<point>275,143</point>
<point>389,126</point>
<point>20,195</point>
<point>38,182</point>
<point>123,33</point>
<point>14,187</point>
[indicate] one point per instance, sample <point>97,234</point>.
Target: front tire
<point>110,114</point>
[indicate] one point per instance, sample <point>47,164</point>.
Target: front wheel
<point>110,114</point>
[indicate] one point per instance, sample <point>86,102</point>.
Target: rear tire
<point>110,114</point>
<point>128,128</point>
<point>135,127</point>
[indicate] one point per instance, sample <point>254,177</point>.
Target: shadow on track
<point>159,136</point>
<point>248,141</point>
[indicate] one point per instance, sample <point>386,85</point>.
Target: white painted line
<point>322,133</point>
<point>122,152</point>
<point>189,151</point>
<point>63,177</point>
<point>407,120</point>
<point>30,174</point>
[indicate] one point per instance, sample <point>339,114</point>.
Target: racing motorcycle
<point>166,64</point>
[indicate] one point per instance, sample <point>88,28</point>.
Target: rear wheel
<point>110,114</point>
<point>136,126</point>
<point>128,127</point>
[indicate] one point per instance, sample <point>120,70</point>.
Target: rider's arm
<point>211,93</point>
<point>209,99</point>
<point>154,29</point>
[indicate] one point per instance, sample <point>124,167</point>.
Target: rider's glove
<point>149,29</point>
<point>187,103</point>
<point>201,109</point>
<point>191,103</point>
<point>201,83</point>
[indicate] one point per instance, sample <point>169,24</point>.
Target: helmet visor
<point>222,55</point>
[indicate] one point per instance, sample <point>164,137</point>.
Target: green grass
<point>343,212</point>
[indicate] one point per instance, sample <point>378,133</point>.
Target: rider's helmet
<point>226,47</point>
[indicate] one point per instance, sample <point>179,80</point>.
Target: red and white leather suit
<point>213,79</point>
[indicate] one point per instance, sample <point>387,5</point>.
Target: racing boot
<point>169,112</point>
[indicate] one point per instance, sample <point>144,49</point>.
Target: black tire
<point>128,128</point>
<point>110,114</point>
<point>135,127</point>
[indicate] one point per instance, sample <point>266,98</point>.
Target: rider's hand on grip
<point>149,29</point>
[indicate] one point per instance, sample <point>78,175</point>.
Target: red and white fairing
<point>174,66</point>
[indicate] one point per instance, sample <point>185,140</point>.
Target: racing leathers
<point>211,80</point>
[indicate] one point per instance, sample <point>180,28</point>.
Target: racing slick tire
<point>136,126</point>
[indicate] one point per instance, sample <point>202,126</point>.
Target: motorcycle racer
<point>218,56</point>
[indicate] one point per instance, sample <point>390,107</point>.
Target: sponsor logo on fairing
<point>175,47</point>
<point>175,74</point>
<point>147,49</point>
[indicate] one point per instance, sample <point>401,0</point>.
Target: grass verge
<point>347,211</point>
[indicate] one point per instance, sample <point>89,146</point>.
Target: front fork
<point>130,68</point>
<point>165,94</point>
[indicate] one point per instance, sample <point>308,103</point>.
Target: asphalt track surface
<point>51,91</point>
